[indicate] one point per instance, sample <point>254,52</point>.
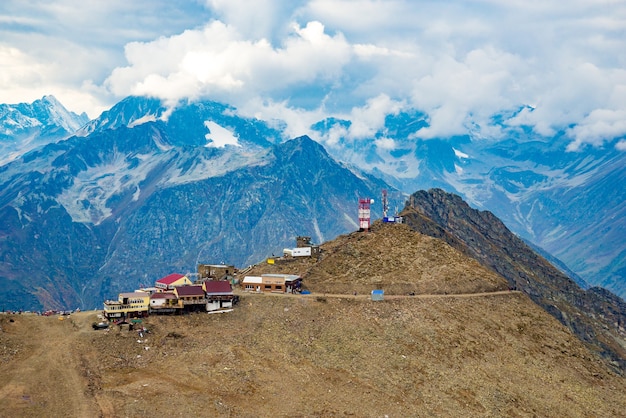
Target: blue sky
<point>300,61</point>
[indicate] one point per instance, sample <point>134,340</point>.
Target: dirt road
<point>42,373</point>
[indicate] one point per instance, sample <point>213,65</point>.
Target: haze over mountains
<point>142,191</point>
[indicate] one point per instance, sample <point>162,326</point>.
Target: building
<point>164,302</point>
<point>297,252</point>
<point>305,242</point>
<point>215,272</point>
<point>281,283</point>
<point>172,281</point>
<point>128,305</point>
<point>149,290</point>
<point>252,283</point>
<point>190,297</point>
<point>288,283</point>
<point>218,294</point>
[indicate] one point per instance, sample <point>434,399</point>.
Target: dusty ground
<point>314,356</point>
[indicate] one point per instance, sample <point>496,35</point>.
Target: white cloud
<point>460,62</point>
<point>69,47</point>
<point>217,62</point>
<point>597,127</point>
<point>369,119</point>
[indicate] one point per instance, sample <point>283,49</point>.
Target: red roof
<point>195,290</point>
<point>170,279</point>
<point>218,286</point>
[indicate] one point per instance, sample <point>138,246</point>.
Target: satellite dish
<point>371,201</point>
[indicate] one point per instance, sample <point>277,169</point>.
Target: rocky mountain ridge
<point>27,126</point>
<point>596,316</point>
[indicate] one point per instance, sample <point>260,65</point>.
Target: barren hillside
<point>393,258</point>
<point>310,356</point>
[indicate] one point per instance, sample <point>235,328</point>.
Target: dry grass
<point>393,258</point>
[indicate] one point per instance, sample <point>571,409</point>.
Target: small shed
<point>252,283</point>
<point>378,294</point>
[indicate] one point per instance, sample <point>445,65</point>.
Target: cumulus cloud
<point>218,62</point>
<point>68,47</point>
<point>551,66</point>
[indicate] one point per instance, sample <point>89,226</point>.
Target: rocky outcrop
<point>596,316</point>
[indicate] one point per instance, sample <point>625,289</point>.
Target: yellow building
<point>172,281</point>
<point>128,305</point>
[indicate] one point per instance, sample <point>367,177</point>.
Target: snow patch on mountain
<point>142,120</point>
<point>460,154</point>
<point>58,115</point>
<point>218,136</point>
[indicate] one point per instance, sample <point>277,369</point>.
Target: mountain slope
<point>596,316</point>
<point>458,354</point>
<point>88,217</point>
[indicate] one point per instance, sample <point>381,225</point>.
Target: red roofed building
<point>172,281</point>
<point>219,294</point>
<point>191,297</point>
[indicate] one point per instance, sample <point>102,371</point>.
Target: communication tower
<point>364,213</point>
<point>385,204</point>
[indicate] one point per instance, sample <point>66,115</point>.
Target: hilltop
<point>389,257</point>
<point>596,316</point>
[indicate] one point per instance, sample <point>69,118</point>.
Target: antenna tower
<point>364,213</point>
<point>385,204</point>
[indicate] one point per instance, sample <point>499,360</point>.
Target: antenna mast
<point>364,213</point>
<point>385,204</point>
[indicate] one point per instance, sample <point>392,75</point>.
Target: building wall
<point>213,271</point>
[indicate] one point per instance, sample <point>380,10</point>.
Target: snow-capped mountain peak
<point>26,126</point>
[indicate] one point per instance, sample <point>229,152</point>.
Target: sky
<point>299,61</point>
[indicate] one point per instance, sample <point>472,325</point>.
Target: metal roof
<point>252,280</point>
<point>170,278</point>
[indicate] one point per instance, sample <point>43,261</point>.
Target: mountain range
<point>132,198</point>
<point>90,208</point>
<point>26,126</point>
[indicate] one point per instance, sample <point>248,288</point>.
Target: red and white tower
<point>364,213</point>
